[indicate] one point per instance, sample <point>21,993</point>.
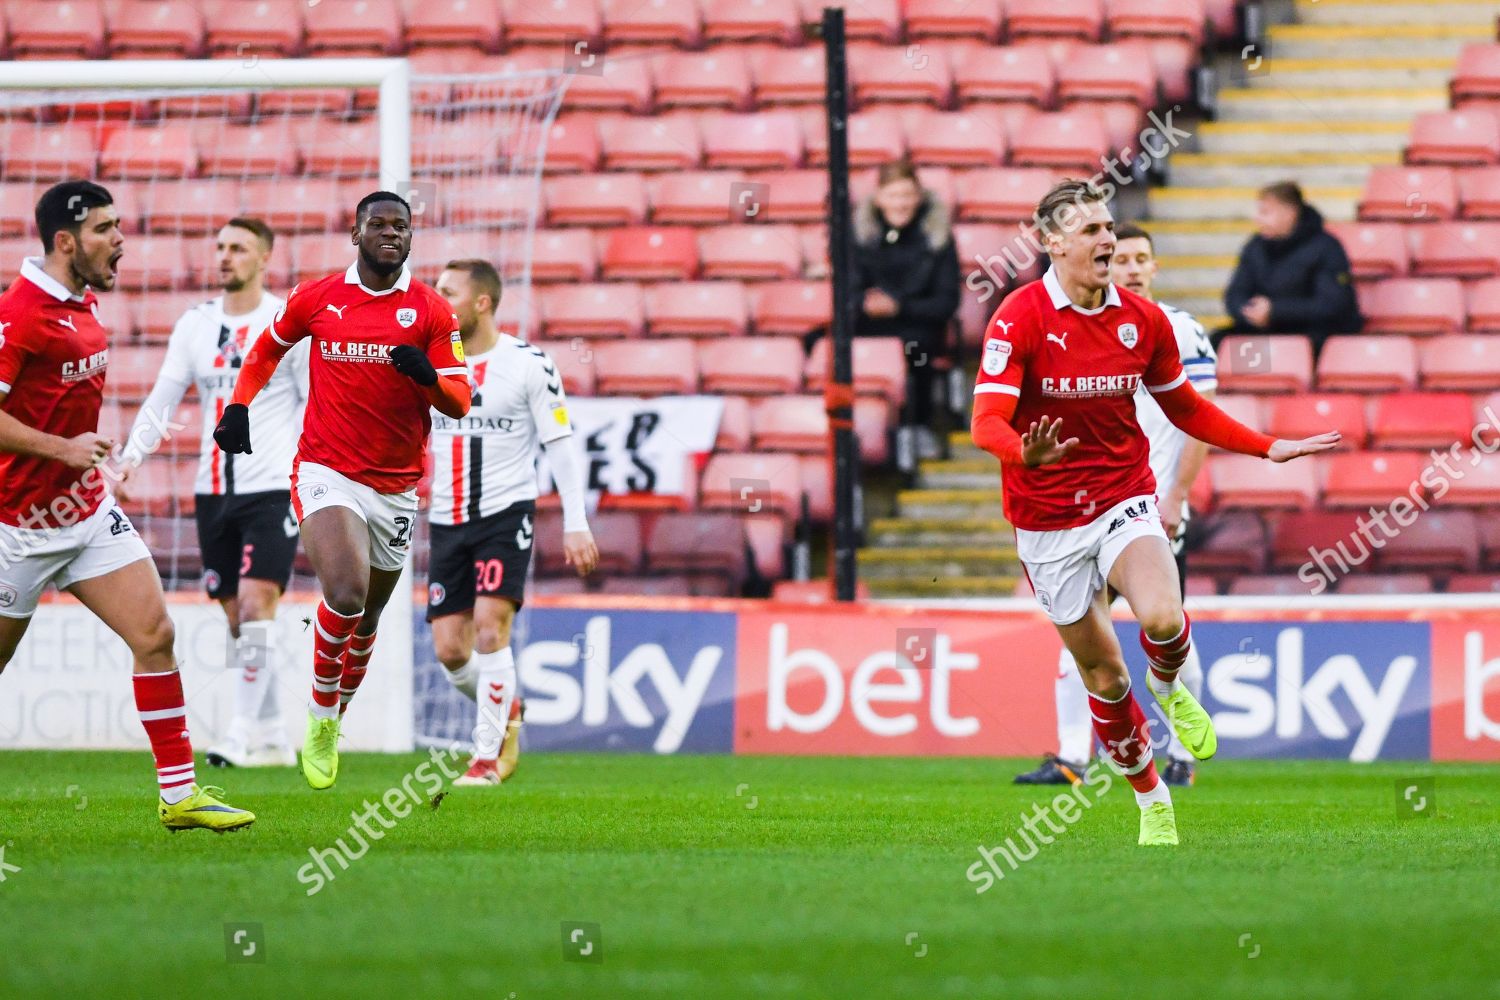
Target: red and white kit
<point>57,525</point>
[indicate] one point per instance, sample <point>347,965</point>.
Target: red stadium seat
<point>1362,478</point>
<point>154,262</point>
<point>1476,481</point>
<point>1443,540</point>
<point>1247,409</point>
<point>297,204</point>
<point>1249,482</point>
<point>1107,73</point>
<point>1413,305</point>
<point>790,423</point>
<point>1409,194</point>
<point>817,485</point>
<point>1386,584</point>
<point>873,420</point>
<point>660,22</point>
<point>267,29</point>
<point>718,78</point>
<point>554,22</point>
<point>454,23</point>
<point>975,242</point>
<point>778,196</point>
<point>1004,194</point>
<point>647,368</point>
<point>788,76</point>
<point>896,73</point>
<point>1474,583</point>
<point>1483,305</point>
<point>1082,19</point>
<point>1013,73</point>
<point>159,151</point>
<point>603,310</point>
<point>316,255</point>
<point>1461,362</point>
<point>196,207</point>
<point>1456,250</point>
<point>614,199</point>
<point>969,138</point>
<point>1269,586</point>
<point>791,307</point>
<point>764,140</point>
<point>751,365</point>
<point>564,255</point>
<point>153,316</point>
<point>1420,419</point>
<point>1478,72</point>
<point>879,367</point>
<point>1066,140</point>
<point>1454,137</point>
<point>1479,192</point>
<point>430,250</point>
<point>1365,364</point>
<point>694,198</point>
<point>752,484</point>
<point>697,542</point>
<point>361,27</point>
<point>661,143</point>
<point>133,369</point>
<point>617,532</point>
<point>574,360</point>
<point>650,253</point>
<point>977,19</point>
<point>697,309</point>
<point>764,20</point>
<point>1297,535</point>
<point>158,28</point>
<point>1265,363</point>
<point>1301,416</point>
<point>1232,542</point>
<point>734,424</point>
<point>751,252</point>
<point>572,145</point>
<point>875,20</point>
<point>1375,249</point>
<point>620,84</point>
<point>874,138</point>
<point>73,30</point>
<point>340,149</point>
<point>1182,19</point>
<point>240,150</point>
<point>17,209</point>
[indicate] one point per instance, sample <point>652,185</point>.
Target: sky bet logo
<point>341,350</point>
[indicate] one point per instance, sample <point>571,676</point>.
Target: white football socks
<point>497,690</point>
<point>465,678</point>
<point>255,653</point>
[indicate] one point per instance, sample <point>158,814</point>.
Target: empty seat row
<point>1330,543</point>
<point>1283,363</point>
<point>1466,137</point>
<point>1380,420</point>
<point>1379,250</point>
<point>1359,479</point>
<point>1431,194</point>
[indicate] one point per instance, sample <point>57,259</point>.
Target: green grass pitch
<point>756,877</point>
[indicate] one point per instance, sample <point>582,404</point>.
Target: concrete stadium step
<point>934,563</point>
<point>1371,12</point>
<point>945,586</point>
<point>902,532</point>
<point>1198,270</point>
<point>961,446</point>
<point>1320,104</point>
<point>1206,304</point>
<point>1336,204</point>
<point>935,503</point>
<point>1187,237</point>
<point>1352,74</point>
<point>1311,169</point>
<point>960,474</point>
<point>1427,37</point>
<point>1333,136</point>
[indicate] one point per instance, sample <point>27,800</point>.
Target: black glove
<point>233,433</point>
<point>414,364</point>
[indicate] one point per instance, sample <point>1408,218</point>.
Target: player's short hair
<point>1286,192</point>
<point>372,198</point>
<point>1131,231</point>
<point>262,231</point>
<point>482,274</point>
<point>65,206</point>
<point>1064,194</point>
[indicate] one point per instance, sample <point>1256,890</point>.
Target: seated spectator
<point>1293,276</point>
<point>906,281</point>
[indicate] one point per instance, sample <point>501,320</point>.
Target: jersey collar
<point>403,281</point>
<point>1060,300</point>
<point>31,270</point>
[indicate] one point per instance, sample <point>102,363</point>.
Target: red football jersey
<point>364,419</point>
<point>53,353</point>
<point>1084,367</point>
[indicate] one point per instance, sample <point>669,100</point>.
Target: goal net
<point>185,145</point>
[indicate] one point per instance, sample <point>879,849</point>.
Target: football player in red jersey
<point>1066,354</point>
<point>385,351</point>
<point>58,524</point>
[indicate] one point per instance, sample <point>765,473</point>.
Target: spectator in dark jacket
<point>906,278</point>
<point>1293,275</point>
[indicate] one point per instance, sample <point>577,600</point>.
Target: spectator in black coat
<point>906,279</point>
<point>1293,276</point>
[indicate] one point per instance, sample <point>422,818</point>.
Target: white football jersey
<point>485,461</point>
<point>1200,364</point>
<point>205,350</point>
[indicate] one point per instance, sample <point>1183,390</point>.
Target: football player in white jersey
<point>484,491</point>
<point>246,530</point>
<point>1176,460</point>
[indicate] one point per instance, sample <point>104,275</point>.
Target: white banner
<point>629,445</point>
<point>69,684</point>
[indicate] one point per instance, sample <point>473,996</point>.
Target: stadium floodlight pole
<point>838,397</point>
<point>391,76</point>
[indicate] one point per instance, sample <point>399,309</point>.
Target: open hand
<point>1039,445</point>
<point>1285,451</point>
<point>580,552</point>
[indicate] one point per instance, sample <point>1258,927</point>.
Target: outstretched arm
<point>1199,418</point>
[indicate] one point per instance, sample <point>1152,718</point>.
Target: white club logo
<point>1128,334</point>
<point>406,317</point>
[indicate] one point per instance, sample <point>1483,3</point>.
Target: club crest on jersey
<point>1128,335</point>
<point>996,356</point>
<point>406,317</point>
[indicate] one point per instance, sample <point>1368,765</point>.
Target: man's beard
<point>382,269</point>
<point>80,267</point>
<point>232,284</point>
